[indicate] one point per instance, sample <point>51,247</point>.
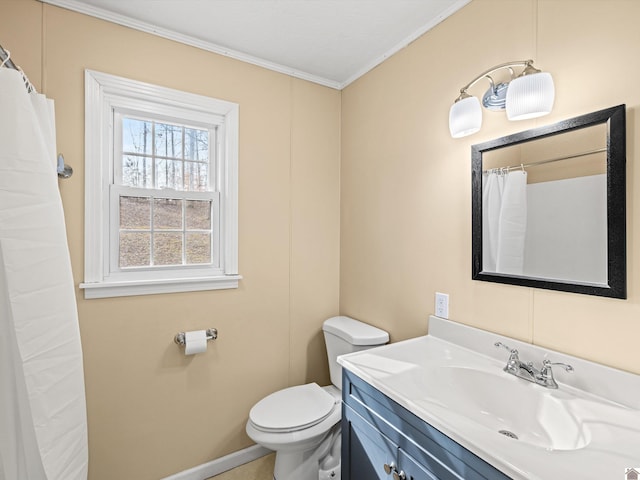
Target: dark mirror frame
<point>615,118</point>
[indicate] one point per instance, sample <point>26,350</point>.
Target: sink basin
<point>522,411</point>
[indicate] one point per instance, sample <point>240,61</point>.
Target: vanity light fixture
<point>527,95</point>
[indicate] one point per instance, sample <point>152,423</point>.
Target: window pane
<point>167,213</point>
<point>136,136</point>
<point>167,248</point>
<point>198,248</point>
<point>135,213</point>
<point>198,215</point>
<point>136,171</point>
<point>169,174</point>
<point>168,140</point>
<point>135,249</point>
<point>196,177</point>
<point>196,144</point>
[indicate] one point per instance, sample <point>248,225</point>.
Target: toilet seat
<point>292,409</point>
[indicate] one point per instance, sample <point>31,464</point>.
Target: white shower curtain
<point>492,188</point>
<point>43,428</point>
<point>504,221</point>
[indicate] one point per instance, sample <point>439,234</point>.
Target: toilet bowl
<point>297,423</point>
<point>302,423</point>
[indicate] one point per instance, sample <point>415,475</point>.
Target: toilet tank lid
<point>355,332</point>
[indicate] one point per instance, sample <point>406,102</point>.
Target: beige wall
<point>387,209</point>
<point>406,184</point>
<point>152,411</point>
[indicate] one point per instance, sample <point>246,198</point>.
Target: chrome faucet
<point>546,373</point>
<point>528,372</point>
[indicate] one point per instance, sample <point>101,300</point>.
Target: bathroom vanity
<point>441,407</point>
<point>382,439</point>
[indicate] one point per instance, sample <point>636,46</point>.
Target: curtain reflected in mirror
<point>548,206</point>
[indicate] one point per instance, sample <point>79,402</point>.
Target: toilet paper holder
<point>212,334</point>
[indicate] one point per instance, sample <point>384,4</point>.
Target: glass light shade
<point>465,117</point>
<point>530,96</point>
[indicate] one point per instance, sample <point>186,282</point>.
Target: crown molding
<point>125,21</point>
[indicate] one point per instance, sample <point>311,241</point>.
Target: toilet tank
<point>346,335</point>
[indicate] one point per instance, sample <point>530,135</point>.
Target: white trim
<point>229,203</point>
<point>125,21</point>
<point>81,7</point>
<point>150,287</point>
<point>94,231</point>
<point>222,464</point>
<point>103,94</point>
<point>141,91</point>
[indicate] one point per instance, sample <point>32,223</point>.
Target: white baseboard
<point>222,464</point>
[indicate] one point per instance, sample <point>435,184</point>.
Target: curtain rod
<point>64,171</point>
<point>5,59</point>
<point>542,162</point>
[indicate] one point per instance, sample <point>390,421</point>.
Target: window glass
<point>198,248</point>
<point>137,136</point>
<point>196,145</point>
<point>196,176</point>
<point>168,174</point>
<point>167,214</point>
<point>178,229</point>
<point>167,248</point>
<point>135,249</point>
<point>135,213</point>
<point>137,171</point>
<point>168,140</point>
<point>198,214</point>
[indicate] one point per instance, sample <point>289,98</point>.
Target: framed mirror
<point>549,206</point>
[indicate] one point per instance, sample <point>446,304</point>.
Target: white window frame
<point>107,95</point>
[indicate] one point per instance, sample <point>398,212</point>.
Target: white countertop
<point>589,428</point>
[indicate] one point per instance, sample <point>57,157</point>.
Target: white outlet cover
<point>442,305</point>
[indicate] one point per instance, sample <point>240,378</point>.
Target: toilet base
<point>293,466</point>
<point>330,474</point>
<point>322,462</point>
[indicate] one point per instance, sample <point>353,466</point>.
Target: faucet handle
<point>500,344</point>
<point>546,373</point>
<point>512,351</point>
<point>513,364</point>
<point>547,364</point>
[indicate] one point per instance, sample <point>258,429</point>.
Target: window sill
<point>151,287</point>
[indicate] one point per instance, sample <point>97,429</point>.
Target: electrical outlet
<point>442,305</point>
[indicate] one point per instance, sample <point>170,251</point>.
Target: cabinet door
<point>367,451</point>
<point>412,469</point>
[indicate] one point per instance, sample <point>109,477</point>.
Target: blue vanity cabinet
<point>373,456</point>
<point>377,432</point>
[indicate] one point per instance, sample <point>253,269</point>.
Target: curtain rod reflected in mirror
<point>550,160</point>
<point>562,224</point>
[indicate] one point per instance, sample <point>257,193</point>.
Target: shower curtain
<point>504,221</point>
<point>43,427</point>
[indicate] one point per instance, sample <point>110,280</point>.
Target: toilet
<point>302,423</point>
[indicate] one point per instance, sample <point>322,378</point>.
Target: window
<point>164,206</point>
<point>161,189</point>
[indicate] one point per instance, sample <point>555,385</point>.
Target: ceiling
<point>330,42</point>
